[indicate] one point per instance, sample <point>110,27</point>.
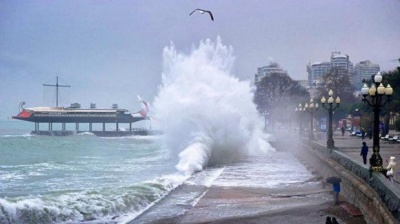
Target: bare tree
<point>278,92</point>
<point>338,80</point>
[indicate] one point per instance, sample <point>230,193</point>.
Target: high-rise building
<point>364,70</point>
<point>341,61</point>
<point>266,71</point>
<point>318,69</point>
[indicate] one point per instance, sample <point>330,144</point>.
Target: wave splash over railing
<point>207,114</point>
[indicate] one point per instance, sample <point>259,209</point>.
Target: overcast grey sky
<point>110,51</point>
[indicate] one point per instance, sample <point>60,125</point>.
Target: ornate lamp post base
<point>330,143</point>
<point>377,169</point>
<point>376,161</point>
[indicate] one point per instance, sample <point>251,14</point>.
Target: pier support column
<point>63,126</point>
<point>77,127</point>
<point>90,127</point>
<point>104,127</point>
<point>50,126</point>
<point>130,127</point>
<point>116,124</point>
<point>36,126</point>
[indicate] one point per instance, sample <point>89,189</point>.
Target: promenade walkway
<point>351,146</point>
<point>309,202</point>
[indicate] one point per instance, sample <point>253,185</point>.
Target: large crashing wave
<point>207,115</point>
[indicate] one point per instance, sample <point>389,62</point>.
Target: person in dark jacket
<point>334,221</point>
<point>336,191</point>
<point>370,132</point>
<point>362,133</point>
<point>342,129</point>
<point>364,152</point>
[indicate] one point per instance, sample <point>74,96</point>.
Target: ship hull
<point>126,118</point>
<point>62,115</point>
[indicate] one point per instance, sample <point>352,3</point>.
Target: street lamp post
<point>374,97</point>
<point>330,143</point>
<point>299,111</point>
<point>311,109</point>
<point>265,114</point>
<point>356,116</point>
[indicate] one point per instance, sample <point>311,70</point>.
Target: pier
<point>59,121</point>
<point>51,131</point>
<point>77,116</point>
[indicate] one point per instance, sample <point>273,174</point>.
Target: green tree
<point>338,80</point>
<point>392,78</point>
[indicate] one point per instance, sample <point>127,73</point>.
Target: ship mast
<point>57,86</point>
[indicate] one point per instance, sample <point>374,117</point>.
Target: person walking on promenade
<point>370,132</point>
<point>334,221</point>
<point>335,181</point>
<point>328,220</point>
<point>336,190</point>
<point>343,129</point>
<point>390,168</point>
<point>364,152</point>
<point>362,133</point>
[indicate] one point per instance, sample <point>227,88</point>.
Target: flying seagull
<point>202,11</point>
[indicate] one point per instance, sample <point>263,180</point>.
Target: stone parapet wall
<point>360,170</point>
<point>356,186</point>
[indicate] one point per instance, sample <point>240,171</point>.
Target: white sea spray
<point>207,115</point>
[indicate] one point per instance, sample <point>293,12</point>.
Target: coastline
<point>308,202</point>
<point>255,205</point>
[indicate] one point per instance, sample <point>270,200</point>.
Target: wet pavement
<point>307,202</point>
<point>351,146</point>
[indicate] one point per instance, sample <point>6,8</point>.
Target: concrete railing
<point>375,196</point>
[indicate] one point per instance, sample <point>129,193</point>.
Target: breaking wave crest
<point>207,115</point>
<point>90,206</point>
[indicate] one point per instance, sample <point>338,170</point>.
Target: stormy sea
<point>209,125</point>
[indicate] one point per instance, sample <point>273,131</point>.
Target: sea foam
<point>89,206</point>
<point>207,115</point>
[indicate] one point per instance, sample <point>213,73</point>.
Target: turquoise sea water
<point>88,179</point>
<point>46,179</point>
